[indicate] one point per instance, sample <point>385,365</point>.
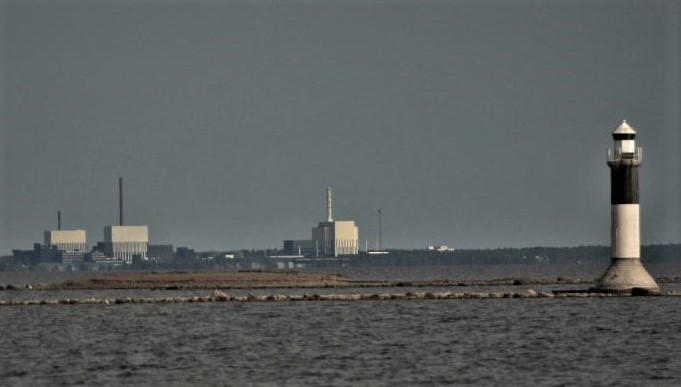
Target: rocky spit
<point>219,296</point>
<point>257,279</point>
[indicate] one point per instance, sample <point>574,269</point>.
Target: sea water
<point>580,341</point>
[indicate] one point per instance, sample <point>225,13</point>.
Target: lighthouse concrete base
<point>625,274</point>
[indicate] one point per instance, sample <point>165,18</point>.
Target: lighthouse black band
<point>623,184</point>
<point>623,136</point>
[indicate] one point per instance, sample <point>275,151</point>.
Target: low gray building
<point>299,247</point>
<point>161,253</point>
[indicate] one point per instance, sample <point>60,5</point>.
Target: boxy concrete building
<point>335,237</point>
<point>339,237</point>
<point>70,241</point>
<point>125,242</point>
<point>303,247</point>
<point>162,253</point>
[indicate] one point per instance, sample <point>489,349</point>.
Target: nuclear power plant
<point>121,244</point>
<point>330,238</point>
<point>333,241</point>
<point>124,242</point>
<point>626,271</point>
<point>335,237</point>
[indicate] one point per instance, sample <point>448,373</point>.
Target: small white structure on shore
<point>441,248</point>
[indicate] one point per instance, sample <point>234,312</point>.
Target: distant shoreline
<point>92,288</point>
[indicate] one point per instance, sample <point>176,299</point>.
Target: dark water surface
<point>619,341</point>
<point>581,341</point>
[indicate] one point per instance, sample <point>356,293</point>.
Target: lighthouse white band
<point>626,231</point>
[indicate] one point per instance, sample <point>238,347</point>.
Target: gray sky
<point>473,124</point>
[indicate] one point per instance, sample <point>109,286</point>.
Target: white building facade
<point>334,238</point>
<point>125,242</point>
<point>70,241</point>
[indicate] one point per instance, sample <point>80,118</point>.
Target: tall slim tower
<point>329,205</point>
<point>380,230</point>
<point>120,201</point>
<point>626,271</point>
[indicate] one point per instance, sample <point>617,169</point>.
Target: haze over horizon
<point>472,124</point>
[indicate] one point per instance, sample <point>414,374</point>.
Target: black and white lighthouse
<point>626,271</point>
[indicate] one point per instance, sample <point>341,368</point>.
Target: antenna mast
<point>380,231</point>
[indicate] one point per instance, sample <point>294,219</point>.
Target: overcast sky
<point>470,123</point>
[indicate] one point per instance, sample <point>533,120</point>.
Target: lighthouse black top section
<point>624,136</point>
<point>624,184</point>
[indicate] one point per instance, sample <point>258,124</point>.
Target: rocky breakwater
<point>257,279</point>
<point>201,280</point>
<point>220,296</point>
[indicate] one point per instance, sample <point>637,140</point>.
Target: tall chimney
<point>58,220</point>
<point>329,205</point>
<point>120,201</point>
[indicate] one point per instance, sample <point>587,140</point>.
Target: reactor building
<point>69,241</point>
<point>335,237</point>
<point>68,246</point>
<point>626,271</point>
<point>125,242</point>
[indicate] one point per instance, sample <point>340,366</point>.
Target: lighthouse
<point>626,271</point>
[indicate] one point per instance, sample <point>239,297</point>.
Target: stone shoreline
<point>199,280</point>
<point>265,280</point>
<point>219,296</point>
<point>274,279</point>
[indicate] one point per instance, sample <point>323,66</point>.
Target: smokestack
<point>58,220</point>
<point>120,201</point>
<point>329,205</point>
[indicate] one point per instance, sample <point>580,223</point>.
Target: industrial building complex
<point>335,237</point>
<point>125,245</point>
<point>121,244</point>
<point>330,238</point>
<point>336,242</point>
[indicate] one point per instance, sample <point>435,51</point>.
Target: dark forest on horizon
<point>521,256</point>
<point>245,259</point>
